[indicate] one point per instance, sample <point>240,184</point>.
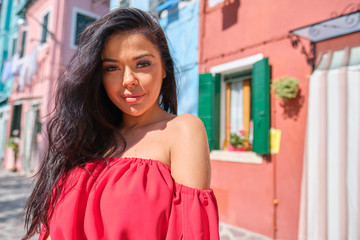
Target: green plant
<point>13,142</point>
<point>286,87</point>
<point>238,140</point>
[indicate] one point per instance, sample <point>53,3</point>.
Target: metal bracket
<point>310,54</point>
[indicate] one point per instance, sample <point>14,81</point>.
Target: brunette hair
<point>84,123</point>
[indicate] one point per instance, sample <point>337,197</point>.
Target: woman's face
<point>132,72</point>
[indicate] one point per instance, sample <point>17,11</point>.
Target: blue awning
<point>330,28</point>
<point>169,4</point>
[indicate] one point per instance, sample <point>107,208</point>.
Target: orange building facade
<point>262,192</point>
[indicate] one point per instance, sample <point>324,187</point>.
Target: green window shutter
<point>82,21</point>
<point>23,42</point>
<point>44,28</point>
<point>260,97</point>
<point>209,107</point>
<point>14,46</point>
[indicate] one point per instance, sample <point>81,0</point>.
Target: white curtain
<point>236,107</point>
<point>353,145</point>
<point>330,187</point>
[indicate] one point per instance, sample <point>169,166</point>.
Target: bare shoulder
<point>186,122</point>
<point>189,151</point>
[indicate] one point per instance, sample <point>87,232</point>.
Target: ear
<point>163,73</point>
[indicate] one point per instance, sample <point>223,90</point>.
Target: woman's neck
<point>154,114</point>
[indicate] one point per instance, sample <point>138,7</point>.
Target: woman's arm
<point>189,151</point>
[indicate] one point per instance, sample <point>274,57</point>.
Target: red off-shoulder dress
<point>131,199</point>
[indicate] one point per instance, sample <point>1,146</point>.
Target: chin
<point>134,112</point>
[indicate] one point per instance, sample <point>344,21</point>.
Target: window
<point>16,120</point>
<point>124,3</point>
<point>23,43</point>
<point>81,19</point>
<point>44,32</point>
<point>14,42</point>
<point>247,99</point>
<point>237,108</point>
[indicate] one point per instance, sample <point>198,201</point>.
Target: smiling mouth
<point>132,98</point>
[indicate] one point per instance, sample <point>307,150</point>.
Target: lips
<point>132,98</point>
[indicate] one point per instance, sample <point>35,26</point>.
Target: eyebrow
<point>135,58</point>
<point>143,55</point>
<point>108,60</point>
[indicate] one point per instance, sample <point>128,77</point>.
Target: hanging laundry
<point>17,62</point>
<point>32,65</point>
<point>28,69</point>
<point>6,73</point>
<point>23,71</point>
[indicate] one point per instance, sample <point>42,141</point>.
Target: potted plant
<point>13,142</point>
<point>238,141</point>
<point>286,87</point>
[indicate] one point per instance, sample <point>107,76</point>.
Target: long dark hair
<point>84,123</point>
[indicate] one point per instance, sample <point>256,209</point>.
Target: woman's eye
<point>111,68</point>
<point>143,64</point>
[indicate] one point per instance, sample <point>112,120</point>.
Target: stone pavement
<point>228,232</point>
<point>16,187</point>
<point>14,191</point>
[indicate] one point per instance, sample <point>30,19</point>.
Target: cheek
<point>156,82</point>
<point>154,87</point>
<point>111,83</point>
<point>110,89</point>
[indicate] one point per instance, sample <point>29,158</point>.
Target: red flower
<point>242,132</point>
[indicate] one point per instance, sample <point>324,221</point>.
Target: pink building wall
<point>237,29</point>
<point>52,57</point>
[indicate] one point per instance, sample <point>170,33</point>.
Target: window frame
<point>125,3</point>
<point>239,65</point>
<point>44,13</point>
<point>16,120</point>
<point>44,28</point>
<point>23,42</point>
<point>244,77</point>
<point>75,11</point>
<point>14,44</point>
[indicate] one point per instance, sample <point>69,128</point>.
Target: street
<point>14,190</point>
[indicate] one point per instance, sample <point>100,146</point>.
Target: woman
<point>120,164</point>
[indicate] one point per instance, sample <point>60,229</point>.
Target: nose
<point>129,78</point>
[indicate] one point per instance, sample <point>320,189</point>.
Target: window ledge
<point>240,157</point>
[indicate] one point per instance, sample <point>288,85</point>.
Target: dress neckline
<point>181,187</point>
<point>140,159</point>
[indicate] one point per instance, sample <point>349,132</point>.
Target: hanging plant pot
<point>286,87</point>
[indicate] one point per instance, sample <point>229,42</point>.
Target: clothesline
<point>25,68</point>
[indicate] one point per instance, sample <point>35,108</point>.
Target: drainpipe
<point>275,199</point>
<point>273,160</point>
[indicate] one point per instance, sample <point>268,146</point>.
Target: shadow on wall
<point>291,107</point>
<point>230,13</point>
